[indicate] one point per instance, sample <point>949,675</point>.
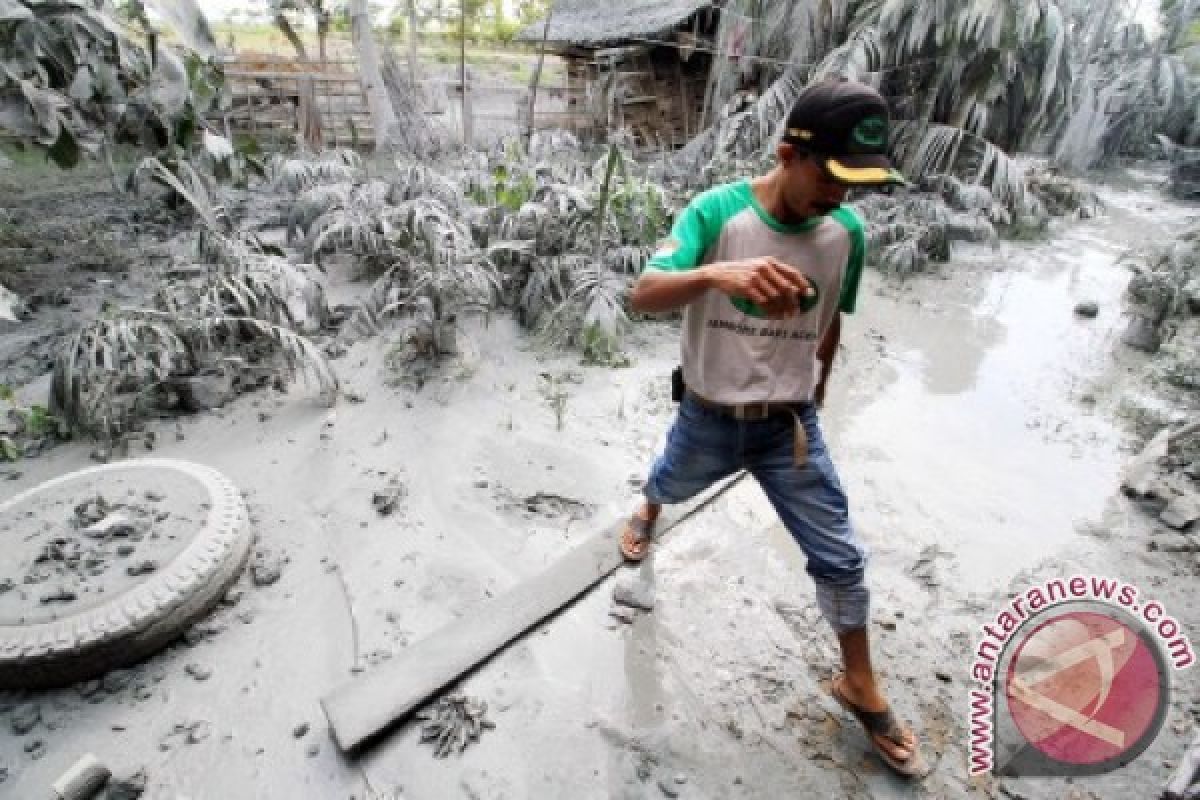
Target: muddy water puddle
<point>994,439</point>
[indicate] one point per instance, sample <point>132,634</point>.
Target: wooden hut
<point>641,65</point>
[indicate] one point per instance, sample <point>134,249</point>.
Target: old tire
<point>138,622</point>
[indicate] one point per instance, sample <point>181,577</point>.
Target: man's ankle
<point>649,511</point>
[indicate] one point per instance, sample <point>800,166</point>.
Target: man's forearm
<point>657,291</point>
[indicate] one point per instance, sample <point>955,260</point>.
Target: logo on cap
<point>870,132</point>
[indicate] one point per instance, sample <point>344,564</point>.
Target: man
<point>763,269</point>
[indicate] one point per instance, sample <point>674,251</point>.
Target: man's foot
<point>895,743</point>
<point>637,534</point>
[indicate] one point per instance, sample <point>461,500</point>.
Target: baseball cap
<point>845,124</point>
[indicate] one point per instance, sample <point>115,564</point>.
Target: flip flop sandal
<point>884,724</point>
<point>643,533</point>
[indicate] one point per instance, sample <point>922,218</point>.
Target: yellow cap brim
<point>873,175</point>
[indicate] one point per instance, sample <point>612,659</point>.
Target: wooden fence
<point>274,98</point>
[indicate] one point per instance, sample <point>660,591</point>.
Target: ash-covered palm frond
<point>312,203</point>
<point>563,200</point>
<point>947,150</point>
<point>413,181</point>
<point>627,259</point>
<point>546,287</point>
<point>298,173</point>
<point>348,230</point>
<point>903,258</point>
<point>237,295</point>
<point>388,296</point>
<point>188,184</point>
<point>298,354</point>
<point>1061,194</point>
<point>592,316</point>
<point>112,355</point>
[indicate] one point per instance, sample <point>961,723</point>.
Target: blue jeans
<point>705,446</point>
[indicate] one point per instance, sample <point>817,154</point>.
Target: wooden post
<point>537,77</point>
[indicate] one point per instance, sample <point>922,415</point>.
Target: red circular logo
<point>1086,689</point>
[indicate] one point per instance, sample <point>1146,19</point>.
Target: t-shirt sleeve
<point>853,223</point>
<point>689,240</point>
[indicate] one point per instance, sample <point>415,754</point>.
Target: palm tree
<point>969,80</point>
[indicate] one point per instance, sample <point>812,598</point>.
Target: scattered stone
<point>198,672</point>
<point>59,595</point>
<point>125,550</point>
<point>117,680</point>
<point>924,570</point>
<point>266,569</point>
<point>481,484</point>
<point>313,750</point>
<point>387,500</point>
<point>622,614</point>
<point>25,718</point>
<point>300,731</point>
<point>36,748</point>
<point>141,568</point>
<point>1087,309</point>
<point>7,585</point>
<point>198,732</point>
<point>233,597</point>
<point>113,525</point>
<point>942,676</point>
<point>1181,511</point>
<point>153,496</point>
<point>668,787</point>
<point>128,788</point>
<point>634,591</point>
<point>1141,473</point>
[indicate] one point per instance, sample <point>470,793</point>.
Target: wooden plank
<point>363,708</point>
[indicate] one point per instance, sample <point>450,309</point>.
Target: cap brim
<point>863,170</point>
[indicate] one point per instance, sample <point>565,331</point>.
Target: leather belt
<point>746,411</point>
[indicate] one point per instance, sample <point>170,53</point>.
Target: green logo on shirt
<point>807,303</point>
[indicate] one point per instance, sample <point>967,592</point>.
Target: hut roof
<point>588,23</point>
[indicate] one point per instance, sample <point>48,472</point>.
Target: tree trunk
<point>412,42</point>
<point>537,77</point>
<point>462,74</point>
<point>289,33</point>
<point>383,118</point>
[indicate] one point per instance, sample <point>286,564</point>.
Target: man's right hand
<point>770,284</point>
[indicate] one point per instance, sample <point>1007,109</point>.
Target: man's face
<point>808,189</point>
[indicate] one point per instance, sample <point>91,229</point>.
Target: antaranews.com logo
<point>1072,678</point>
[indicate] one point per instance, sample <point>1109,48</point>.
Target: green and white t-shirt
<point>731,352</point>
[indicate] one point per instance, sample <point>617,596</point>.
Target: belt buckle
<point>751,411</point>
